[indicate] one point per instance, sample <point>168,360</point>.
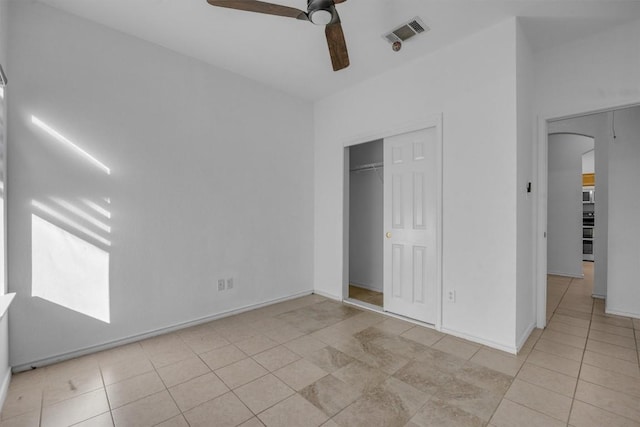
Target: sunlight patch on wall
<point>61,138</point>
<point>69,271</point>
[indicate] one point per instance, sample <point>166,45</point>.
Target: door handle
<point>388,234</point>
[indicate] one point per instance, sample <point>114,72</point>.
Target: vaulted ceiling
<point>292,55</point>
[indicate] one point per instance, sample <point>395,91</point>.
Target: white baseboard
<point>621,313</point>
<point>488,343</point>
<point>573,276</point>
<point>327,295</point>
<point>368,287</point>
<point>4,388</point>
<point>151,334</point>
<point>525,336</point>
<point>598,296</point>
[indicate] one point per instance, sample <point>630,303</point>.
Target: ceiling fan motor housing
<point>321,12</point>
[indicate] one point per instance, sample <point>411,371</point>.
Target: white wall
<point>624,210</point>
<point>366,217</point>
<point>525,292</point>
<point>589,162</point>
<point>211,176</point>
<point>597,126</point>
<point>5,372</point>
<point>564,215</point>
<point>479,201</point>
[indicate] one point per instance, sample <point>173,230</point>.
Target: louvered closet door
<point>411,217</point>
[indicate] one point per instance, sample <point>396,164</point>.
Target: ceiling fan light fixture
<point>321,17</point>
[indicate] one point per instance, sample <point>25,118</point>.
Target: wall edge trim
<point>153,333</point>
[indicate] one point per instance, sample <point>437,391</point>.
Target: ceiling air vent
<point>405,31</point>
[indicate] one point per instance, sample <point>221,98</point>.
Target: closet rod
<point>370,166</point>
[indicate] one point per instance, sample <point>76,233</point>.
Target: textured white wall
<point>525,292</point>
<point>624,210</point>
<point>211,176</point>
<point>479,230</point>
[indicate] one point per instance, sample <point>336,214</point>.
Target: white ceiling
<point>292,55</point>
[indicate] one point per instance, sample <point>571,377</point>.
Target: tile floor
<point>366,295</point>
<point>315,362</point>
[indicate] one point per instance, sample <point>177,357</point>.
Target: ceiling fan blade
<point>337,46</point>
<point>261,7</point>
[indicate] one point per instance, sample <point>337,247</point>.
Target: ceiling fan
<point>319,12</point>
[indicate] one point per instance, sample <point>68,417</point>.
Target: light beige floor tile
<point>613,339</point>
<point>440,360</point>
<point>559,349</point>
<point>222,356</point>
<point>241,373</point>
<point>424,377</point>
<point>103,420</point>
<point>76,409</point>
<point>498,361</point>
<point>511,414</point>
<point>205,342</point>
<point>253,422</point>
<point>21,401</point>
<point>613,330</point>
<point>576,314</point>
<point>456,346</point>
<point>177,421</point>
<point>470,398</point>
<point>72,367</point>
<point>611,363</point>
<point>134,388</point>
<point>170,355</point>
<point>394,326</point>
<point>255,345</point>
<point>360,375</point>
<point>294,411</point>
<point>151,410</point>
<point>183,371</point>
<point>612,350</point>
<point>493,381</point>
<point>436,413</point>
<point>585,415</point>
<point>300,374</point>
<point>392,403</point>
<point>613,320</point>
<point>554,363</point>
<point>330,395</point>
<point>125,369</point>
<point>275,358</point>
<point>636,324</point>
<point>120,354</point>
<point>562,338</point>
<point>283,334</point>
<point>558,326</point>
<point>609,400</point>
<point>197,391</point>
<point>71,385</point>
<point>582,323</point>
<point>263,393</point>
<point>305,345</point>
<point>330,423</point>
<point>227,411</point>
<point>540,399</point>
<point>613,380</point>
<point>30,419</point>
<point>551,380</point>
<point>34,379</point>
<point>329,359</point>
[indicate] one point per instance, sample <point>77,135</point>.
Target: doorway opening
<point>594,263</point>
<point>366,203</point>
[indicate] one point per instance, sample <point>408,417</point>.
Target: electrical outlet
<point>451,296</point>
<point>230,283</point>
<point>221,285</point>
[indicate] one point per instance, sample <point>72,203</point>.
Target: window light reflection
<point>62,218</point>
<point>59,137</point>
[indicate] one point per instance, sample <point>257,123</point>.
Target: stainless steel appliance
<point>588,224</point>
